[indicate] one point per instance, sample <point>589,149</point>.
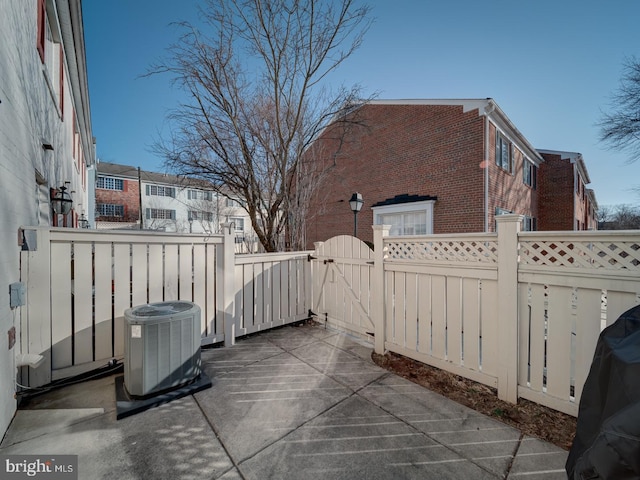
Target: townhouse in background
<point>441,166</point>
<point>127,197</point>
<point>46,146</point>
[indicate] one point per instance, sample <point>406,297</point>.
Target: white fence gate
<point>342,284</point>
<point>519,311</point>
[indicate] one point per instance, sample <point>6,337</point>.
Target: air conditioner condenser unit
<point>162,347</point>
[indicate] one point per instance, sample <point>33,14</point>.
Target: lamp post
<point>356,205</point>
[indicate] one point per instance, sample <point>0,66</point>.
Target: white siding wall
<point>29,115</point>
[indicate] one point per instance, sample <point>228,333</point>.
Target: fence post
<point>227,269</point>
<point>378,309</point>
<point>508,228</point>
<point>35,315</point>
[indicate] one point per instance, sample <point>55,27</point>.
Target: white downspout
<point>487,110</point>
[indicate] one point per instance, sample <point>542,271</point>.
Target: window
<point>413,218</point>
<point>199,195</point>
<point>110,183</point>
<point>503,152</point>
<point>110,210</point>
<point>413,223</point>
<point>160,214</point>
<point>204,216</point>
<point>160,191</point>
<point>238,222</point>
<point>529,174</point>
<point>229,202</point>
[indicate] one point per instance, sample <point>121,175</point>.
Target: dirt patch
<point>532,419</point>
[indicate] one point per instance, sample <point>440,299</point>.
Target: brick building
<point>117,195</point>
<point>566,203</point>
<point>127,197</point>
<point>432,166</point>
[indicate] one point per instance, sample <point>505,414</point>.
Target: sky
<point>551,65</point>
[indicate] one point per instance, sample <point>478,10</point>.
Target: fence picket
<point>471,323</point>
<point>156,276</point>
<point>439,316</point>
<point>103,292</point>
<point>559,342</point>
<point>424,314</point>
<point>489,328</point>
<point>454,319</point>
<point>82,309</point>
<point>61,316</point>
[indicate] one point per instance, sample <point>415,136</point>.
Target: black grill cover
<point>607,441</point>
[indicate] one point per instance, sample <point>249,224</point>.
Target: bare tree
<point>258,98</point>
<point>621,128</point>
<point>619,217</point>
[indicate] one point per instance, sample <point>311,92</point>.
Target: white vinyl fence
<point>80,282</point>
<point>520,311</point>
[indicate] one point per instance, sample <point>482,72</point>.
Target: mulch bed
<point>529,417</point>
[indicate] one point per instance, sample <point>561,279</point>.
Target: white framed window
<point>160,191</point>
<point>199,195</point>
<point>110,183</point>
<point>231,203</point>
<point>160,214</point>
<point>239,224</point>
<point>415,218</point>
<point>110,210</point>
<point>503,152</point>
<point>200,215</point>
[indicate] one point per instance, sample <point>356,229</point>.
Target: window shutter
<point>147,189</point>
<point>42,19</point>
<point>173,214</point>
<point>148,212</point>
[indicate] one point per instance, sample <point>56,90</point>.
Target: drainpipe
<point>487,110</point>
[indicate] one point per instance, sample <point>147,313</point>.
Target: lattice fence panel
<point>619,255</point>
<point>444,250</point>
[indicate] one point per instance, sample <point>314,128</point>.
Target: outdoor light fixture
<point>83,222</point>
<point>356,205</point>
<point>61,202</point>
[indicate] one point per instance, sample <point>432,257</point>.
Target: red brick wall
<point>508,190</point>
<point>129,197</point>
<point>434,150</point>
<point>555,182</point>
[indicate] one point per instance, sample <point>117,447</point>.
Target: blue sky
<point>551,66</point>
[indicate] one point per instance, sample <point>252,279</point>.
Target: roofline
<point>485,106</point>
<point>131,172</point>
<point>574,157</point>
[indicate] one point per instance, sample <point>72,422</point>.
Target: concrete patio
<point>298,402</point>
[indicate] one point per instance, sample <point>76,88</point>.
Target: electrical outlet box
<point>17,294</point>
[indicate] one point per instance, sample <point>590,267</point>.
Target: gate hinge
<point>328,260</point>
<point>311,257</point>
